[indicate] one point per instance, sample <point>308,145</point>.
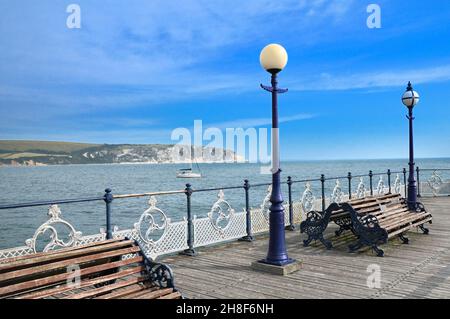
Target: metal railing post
<point>322,182</point>
<point>404,182</point>
<point>349,176</point>
<point>418,181</point>
<point>248,216</point>
<point>108,198</point>
<point>190,227</point>
<point>389,181</point>
<point>371,182</point>
<point>291,225</point>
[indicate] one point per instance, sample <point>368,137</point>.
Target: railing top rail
<point>55,202</point>
<point>216,189</point>
<point>434,169</point>
<point>307,180</point>
<point>148,194</point>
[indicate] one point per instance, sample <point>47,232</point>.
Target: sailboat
<point>188,172</point>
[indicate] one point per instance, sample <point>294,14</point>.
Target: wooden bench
<point>373,220</point>
<point>317,222</point>
<point>393,220</point>
<point>104,270</point>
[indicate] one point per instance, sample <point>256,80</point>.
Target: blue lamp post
<point>273,59</point>
<point>410,99</point>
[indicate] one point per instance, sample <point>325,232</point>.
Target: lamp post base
<point>290,227</point>
<point>285,268</point>
<point>247,238</point>
<point>189,252</point>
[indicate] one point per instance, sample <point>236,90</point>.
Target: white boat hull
<point>189,175</point>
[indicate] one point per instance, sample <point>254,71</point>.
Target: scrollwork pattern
<point>308,199</point>
<point>380,186</point>
<point>361,190</point>
<point>152,220</point>
<point>51,225</point>
<point>337,195</point>
<point>265,206</point>
<point>220,212</point>
<point>435,182</point>
<point>397,184</point>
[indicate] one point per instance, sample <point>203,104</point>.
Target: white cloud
<point>257,122</point>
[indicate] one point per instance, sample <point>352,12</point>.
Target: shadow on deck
<point>418,270</point>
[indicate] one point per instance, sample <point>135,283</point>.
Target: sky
<point>137,70</point>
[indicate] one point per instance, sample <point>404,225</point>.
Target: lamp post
<point>411,98</point>
<point>273,59</point>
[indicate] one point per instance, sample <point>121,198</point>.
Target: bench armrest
<point>366,227</point>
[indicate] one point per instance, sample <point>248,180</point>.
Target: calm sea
<point>27,184</point>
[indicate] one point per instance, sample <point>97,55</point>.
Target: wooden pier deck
<point>418,270</point>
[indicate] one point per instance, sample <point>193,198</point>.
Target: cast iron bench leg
<point>325,242</point>
<point>426,231</point>
<point>404,239</point>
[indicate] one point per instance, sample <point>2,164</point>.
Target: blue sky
<point>136,70</point>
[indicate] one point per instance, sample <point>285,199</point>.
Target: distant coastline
<point>40,153</point>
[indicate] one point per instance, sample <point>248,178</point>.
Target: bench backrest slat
<point>101,268</point>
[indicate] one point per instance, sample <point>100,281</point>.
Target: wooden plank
<point>416,224</point>
<point>412,217</point>
<point>62,254</point>
<point>173,295</point>
<point>64,263</point>
<point>53,252</point>
<point>54,279</point>
<point>155,294</point>
<point>124,292</point>
<point>90,282</point>
<point>136,294</point>
<point>101,290</point>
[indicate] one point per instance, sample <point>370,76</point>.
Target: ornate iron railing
<point>158,235</point>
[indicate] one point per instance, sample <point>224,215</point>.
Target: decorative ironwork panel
<point>222,224</point>
<point>206,233</point>
<point>51,226</point>
<point>265,206</point>
<point>50,234</point>
<point>337,196</point>
<point>380,187</point>
<point>221,212</point>
<point>308,199</point>
<point>398,185</point>
<point>155,232</point>
<point>361,190</point>
<point>435,182</point>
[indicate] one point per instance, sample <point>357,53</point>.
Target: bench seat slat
<point>398,232</point>
<point>155,294</point>
<point>173,295</point>
<point>108,288</point>
<point>406,220</point>
<point>136,294</point>
<point>90,282</point>
<point>127,291</point>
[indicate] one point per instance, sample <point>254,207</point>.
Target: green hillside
<point>42,147</point>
